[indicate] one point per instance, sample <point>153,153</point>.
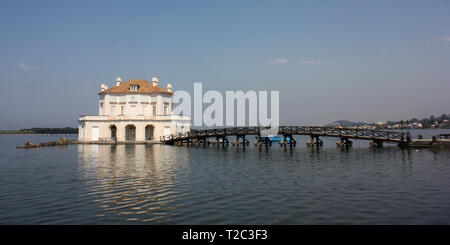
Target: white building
<point>135,111</point>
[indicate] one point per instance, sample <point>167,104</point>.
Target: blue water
<point>158,184</point>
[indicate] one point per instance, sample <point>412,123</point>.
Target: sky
<point>355,60</point>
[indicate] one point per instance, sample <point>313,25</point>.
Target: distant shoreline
<point>40,131</point>
<point>32,134</point>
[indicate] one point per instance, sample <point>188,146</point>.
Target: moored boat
<point>274,138</point>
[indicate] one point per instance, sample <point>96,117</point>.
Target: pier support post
<point>225,140</point>
<point>283,141</point>
<point>235,141</point>
<point>344,141</point>
<point>292,140</point>
<point>376,143</point>
<point>217,141</point>
<point>317,142</point>
<point>258,141</point>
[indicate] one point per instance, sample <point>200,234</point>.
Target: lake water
<point>159,184</point>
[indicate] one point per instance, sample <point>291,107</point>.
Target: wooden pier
<point>345,135</point>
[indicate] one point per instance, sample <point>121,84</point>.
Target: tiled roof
<point>144,87</point>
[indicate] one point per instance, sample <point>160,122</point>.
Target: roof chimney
<point>118,81</point>
<point>103,87</point>
<point>155,81</point>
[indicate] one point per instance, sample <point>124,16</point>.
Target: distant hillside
<point>344,123</point>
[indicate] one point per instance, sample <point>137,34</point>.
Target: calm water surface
<point>158,184</point>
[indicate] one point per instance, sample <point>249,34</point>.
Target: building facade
<point>135,111</point>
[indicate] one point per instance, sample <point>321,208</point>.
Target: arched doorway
<point>113,131</point>
<point>149,132</point>
<point>130,133</point>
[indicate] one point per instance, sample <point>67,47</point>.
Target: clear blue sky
<point>330,60</point>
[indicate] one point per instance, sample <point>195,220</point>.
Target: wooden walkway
<point>220,135</point>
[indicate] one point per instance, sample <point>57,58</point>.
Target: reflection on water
<point>259,185</point>
<point>138,182</point>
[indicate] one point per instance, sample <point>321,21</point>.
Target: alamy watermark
<point>220,112</point>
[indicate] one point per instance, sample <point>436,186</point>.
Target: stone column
<point>140,132</point>
<point>121,132</point>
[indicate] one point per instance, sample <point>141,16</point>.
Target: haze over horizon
<point>363,61</point>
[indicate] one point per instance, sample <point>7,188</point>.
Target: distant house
<point>135,111</point>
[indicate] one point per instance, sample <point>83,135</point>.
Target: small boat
<point>274,138</point>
